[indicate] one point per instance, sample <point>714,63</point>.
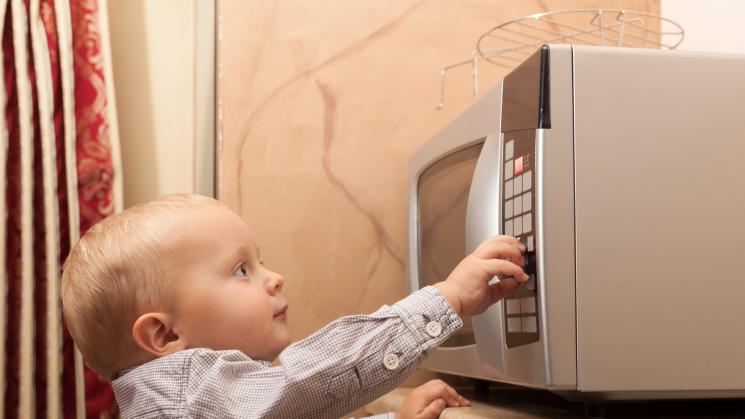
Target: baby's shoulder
<point>203,361</point>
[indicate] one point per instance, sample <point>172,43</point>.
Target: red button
<point>518,165</point>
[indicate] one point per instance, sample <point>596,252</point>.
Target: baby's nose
<point>275,283</point>
<point>280,282</point>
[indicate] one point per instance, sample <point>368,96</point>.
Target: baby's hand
<point>429,400</point>
<point>467,288</point>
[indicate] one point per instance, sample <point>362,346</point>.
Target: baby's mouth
<point>282,314</point>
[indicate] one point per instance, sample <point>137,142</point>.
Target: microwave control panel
<point>518,220</point>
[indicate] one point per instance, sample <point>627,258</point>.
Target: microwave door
<point>483,215</point>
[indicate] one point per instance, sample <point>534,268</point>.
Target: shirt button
<point>433,329</point>
<point>391,361</point>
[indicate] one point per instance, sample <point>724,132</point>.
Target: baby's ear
<point>153,333</point>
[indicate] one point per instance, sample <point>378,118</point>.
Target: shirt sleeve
<point>343,366</point>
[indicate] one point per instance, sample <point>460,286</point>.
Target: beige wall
<point>718,28</point>
<point>322,103</point>
<point>163,60</point>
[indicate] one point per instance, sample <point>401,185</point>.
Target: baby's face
<point>224,297</point>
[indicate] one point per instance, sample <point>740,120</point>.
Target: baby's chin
<point>284,344</point>
<point>272,355</point>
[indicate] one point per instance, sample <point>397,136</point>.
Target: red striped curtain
<point>60,159</point>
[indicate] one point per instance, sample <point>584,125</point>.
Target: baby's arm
<point>340,368</point>
<point>356,359</point>
<point>378,356</point>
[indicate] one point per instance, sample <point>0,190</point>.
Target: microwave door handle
<point>483,219</point>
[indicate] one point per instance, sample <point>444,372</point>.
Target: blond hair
<point>114,274</point>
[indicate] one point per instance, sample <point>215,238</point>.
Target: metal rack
<point>508,44</point>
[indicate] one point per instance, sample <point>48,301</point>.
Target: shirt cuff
<point>428,316</point>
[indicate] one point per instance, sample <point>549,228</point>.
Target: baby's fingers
<point>501,249</point>
<point>511,276</point>
<point>495,247</point>
<point>504,269</point>
<point>456,399</point>
<point>433,410</point>
<point>453,398</point>
<point>502,288</point>
<point>440,389</point>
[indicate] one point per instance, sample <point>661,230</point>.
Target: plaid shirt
<point>343,366</point>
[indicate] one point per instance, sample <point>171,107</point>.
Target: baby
<point>170,300</point>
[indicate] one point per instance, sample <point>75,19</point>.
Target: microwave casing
<point>639,224</point>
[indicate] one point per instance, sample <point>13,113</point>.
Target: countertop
<point>504,401</point>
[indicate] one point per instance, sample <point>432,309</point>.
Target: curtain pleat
<point>113,123</point>
<point>50,347</point>
<point>60,160</point>
<point>13,229</point>
<point>3,208</point>
<point>73,393</point>
<point>25,120</point>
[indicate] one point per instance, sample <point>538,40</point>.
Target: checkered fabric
<point>333,371</point>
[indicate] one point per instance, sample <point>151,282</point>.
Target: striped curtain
<point>59,153</point>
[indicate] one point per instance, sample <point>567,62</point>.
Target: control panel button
<point>514,325</point>
<point>508,189</point>
<point>518,206</point>
<point>527,305</point>
<point>530,324</point>
<point>527,201</point>
<point>508,209</point>
<point>531,283</point>
<point>527,180</point>
<point>530,245</point>
<point>518,185</point>
<point>519,165</point>
<point>508,170</point>
<point>517,226</point>
<point>513,306</point>
<point>509,150</point>
<point>527,223</point>
<point>508,231</point>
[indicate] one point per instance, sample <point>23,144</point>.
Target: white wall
<point>714,25</point>
<point>163,57</point>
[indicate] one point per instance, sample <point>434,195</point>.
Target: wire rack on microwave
<point>510,43</point>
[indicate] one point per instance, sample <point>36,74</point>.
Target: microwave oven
<point>623,171</point>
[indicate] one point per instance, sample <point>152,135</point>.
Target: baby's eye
<point>240,270</point>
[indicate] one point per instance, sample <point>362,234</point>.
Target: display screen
<point>442,200</point>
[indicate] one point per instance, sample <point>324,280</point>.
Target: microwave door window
<point>442,198</point>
